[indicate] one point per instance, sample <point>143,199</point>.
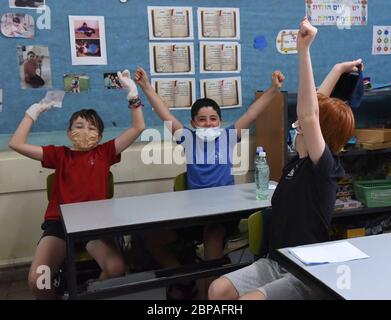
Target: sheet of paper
<point>171,58</point>
<point>170,22</point>
<point>220,57</point>
<point>56,96</point>
<point>342,13</point>
<point>328,253</point>
<point>218,23</point>
<point>227,92</point>
<point>177,93</point>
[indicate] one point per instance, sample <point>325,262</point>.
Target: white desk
<point>370,278</point>
<point>94,219</point>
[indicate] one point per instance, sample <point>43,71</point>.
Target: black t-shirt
<point>304,201</point>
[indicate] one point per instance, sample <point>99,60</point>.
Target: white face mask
<point>208,134</point>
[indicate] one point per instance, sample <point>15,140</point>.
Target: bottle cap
<point>260,151</point>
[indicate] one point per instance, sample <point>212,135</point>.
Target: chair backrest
<point>255,232</point>
<point>180,182</point>
<point>50,179</point>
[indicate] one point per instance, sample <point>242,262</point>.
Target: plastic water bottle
<point>262,174</point>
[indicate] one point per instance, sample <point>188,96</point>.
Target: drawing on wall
<point>26,4</point>
<point>1,100</point>
<point>88,40</point>
<point>220,57</point>
<point>17,25</point>
<point>34,67</point>
<point>76,83</point>
<point>177,93</point>
<point>218,23</point>
<point>342,13</point>
<point>381,43</point>
<point>286,41</point>
<point>227,92</point>
<point>111,80</point>
<point>170,23</point>
<point>171,58</point>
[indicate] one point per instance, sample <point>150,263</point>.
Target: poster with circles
<point>381,40</point>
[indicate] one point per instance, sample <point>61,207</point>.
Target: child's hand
<point>350,66</point>
<point>277,80</point>
<point>128,83</point>
<point>307,34</point>
<point>36,109</point>
<point>141,77</point>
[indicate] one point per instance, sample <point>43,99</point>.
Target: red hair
<point>336,122</point>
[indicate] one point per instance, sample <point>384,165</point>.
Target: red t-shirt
<point>80,175</point>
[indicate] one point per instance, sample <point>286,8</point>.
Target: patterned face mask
<point>208,134</point>
<point>84,141</point>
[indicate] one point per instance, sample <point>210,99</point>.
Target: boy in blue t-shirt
<point>208,152</point>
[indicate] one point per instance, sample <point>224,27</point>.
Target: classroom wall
<point>127,47</point>
<point>23,193</point>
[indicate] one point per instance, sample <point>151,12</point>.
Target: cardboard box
<point>374,145</point>
<point>373,135</point>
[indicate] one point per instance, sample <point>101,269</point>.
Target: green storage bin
<point>373,193</point>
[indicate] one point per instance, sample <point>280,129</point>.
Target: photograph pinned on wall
<point>111,81</point>
<point>1,100</point>
<point>76,83</point>
<point>286,41</point>
<point>17,25</point>
<point>88,40</point>
<point>26,4</point>
<point>34,67</point>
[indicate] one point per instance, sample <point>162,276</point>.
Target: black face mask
<point>350,88</point>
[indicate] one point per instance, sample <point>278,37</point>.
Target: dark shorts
<point>197,233</point>
<point>53,228</point>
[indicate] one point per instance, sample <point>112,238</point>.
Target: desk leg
<point>71,272</point>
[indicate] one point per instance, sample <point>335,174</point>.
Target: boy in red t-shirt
<point>81,174</point>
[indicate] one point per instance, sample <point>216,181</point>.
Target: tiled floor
<point>13,285</point>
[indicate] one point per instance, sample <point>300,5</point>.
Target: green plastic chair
<point>254,223</point>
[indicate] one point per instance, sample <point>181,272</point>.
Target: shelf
<point>363,152</point>
<point>359,212</point>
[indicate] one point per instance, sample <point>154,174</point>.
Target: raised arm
<point>157,103</point>
<point>261,103</point>
<point>19,141</point>
<point>335,73</point>
<point>307,101</point>
<point>126,138</point>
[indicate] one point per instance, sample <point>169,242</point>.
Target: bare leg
<point>108,257</point>
<point>222,289</point>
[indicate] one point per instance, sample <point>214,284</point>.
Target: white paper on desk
<point>328,253</point>
<point>56,96</point>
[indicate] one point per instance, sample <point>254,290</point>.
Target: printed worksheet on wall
<point>227,92</point>
<point>177,93</point>
<point>170,22</point>
<point>342,13</point>
<point>220,57</point>
<point>218,23</point>
<point>171,58</point>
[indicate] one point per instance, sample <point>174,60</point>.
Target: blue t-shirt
<point>209,164</point>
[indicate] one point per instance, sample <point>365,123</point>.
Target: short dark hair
<point>202,103</point>
<point>31,52</point>
<point>16,19</point>
<point>91,116</point>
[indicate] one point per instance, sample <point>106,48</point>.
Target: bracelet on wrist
<point>135,103</point>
